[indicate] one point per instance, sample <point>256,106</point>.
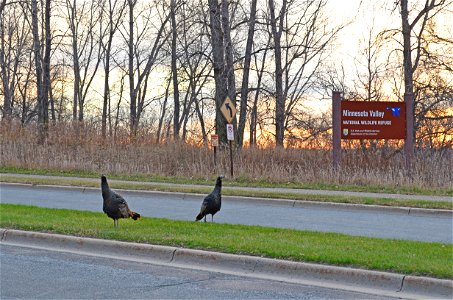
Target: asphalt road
<point>364,222</point>
<point>28,273</point>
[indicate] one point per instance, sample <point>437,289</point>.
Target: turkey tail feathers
<point>199,217</point>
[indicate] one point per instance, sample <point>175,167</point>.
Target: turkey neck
<point>105,188</point>
<point>218,187</point>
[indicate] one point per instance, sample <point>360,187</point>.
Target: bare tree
<point>174,37</point>
<point>254,106</point>
<point>277,30</point>
<point>194,66</point>
<point>415,51</point>
<point>408,27</point>
<point>220,73</point>
<point>246,72</point>
<point>14,52</point>
<point>300,35</point>
<point>44,107</point>
<point>371,65</point>
<point>86,52</point>
<point>41,76</point>
<point>229,59</point>
<point>163,112</point>
<point>138,75</point>
<point>115,12</point>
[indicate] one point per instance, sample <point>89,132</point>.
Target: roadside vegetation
<point>85,152</point>
<point>407,257</point>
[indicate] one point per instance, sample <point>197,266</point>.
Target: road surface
<point>364,222</point>
<point>40,274</point>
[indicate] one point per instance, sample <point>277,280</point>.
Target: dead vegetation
<point>83,149</point>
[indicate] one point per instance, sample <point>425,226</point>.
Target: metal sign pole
<point>230,137</point>
<point>409,141</point>
<point>215,144</point>
<point>228,110</point>
<point>336,129</point>
<point>231,159</point>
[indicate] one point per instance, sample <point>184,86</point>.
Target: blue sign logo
<point>395,111</point>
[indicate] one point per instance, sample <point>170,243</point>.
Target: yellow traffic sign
<point>228,109</point>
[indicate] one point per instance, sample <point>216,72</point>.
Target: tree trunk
<point>106,85</point>
<point>75,57</point>
<point>46,66</point>
<point>164,110</point>
<point>52,104</point>
<point>407,58</point>
<point>254,112</point>
<point>39,71</point>
<point>6,91</point>
<point>106,97</point>
<point>136,87</point>
<point>229,60</point>
<point>245,74</point>
<point>176,124</point>
<point>279,99</point>
<point>132,90</point>
<point>218,55</point>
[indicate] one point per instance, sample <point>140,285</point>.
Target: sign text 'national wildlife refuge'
<point>373,120</point>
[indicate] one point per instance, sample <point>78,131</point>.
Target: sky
<point>380,14</point>
<point>361,16</point>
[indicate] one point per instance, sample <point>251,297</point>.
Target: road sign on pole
<point>215,144</point>
<point>230,137</point>
<point>228,110</point>
<point>214,140</point>
<point>230,132</point>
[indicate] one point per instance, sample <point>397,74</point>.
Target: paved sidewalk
<point>262,189</point>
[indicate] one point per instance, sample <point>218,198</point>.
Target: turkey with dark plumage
<point>212,202</point>
<point>115,206</point>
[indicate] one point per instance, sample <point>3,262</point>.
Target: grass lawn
<point>239,181</point>
<point>408,257</point>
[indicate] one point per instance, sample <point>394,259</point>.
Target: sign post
<point>214,145</point>
<point>336,129</point>
<point>230,138</point>
<point>229,111</point>
<point>409,141</point>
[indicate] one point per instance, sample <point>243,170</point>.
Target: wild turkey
<point>212,202</point>
<point>114,204</point>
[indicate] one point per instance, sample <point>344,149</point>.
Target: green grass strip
<point>240,181</point>
<point>229,191</point>
<point>407,257</point>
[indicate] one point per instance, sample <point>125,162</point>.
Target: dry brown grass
<point>65,149</point>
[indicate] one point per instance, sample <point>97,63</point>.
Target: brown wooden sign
<point>373,120</point>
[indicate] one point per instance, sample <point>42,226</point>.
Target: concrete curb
<point>372,282</point>
<point>270,201</point>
